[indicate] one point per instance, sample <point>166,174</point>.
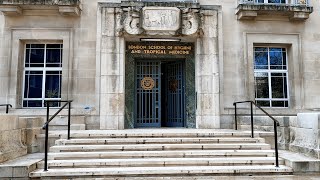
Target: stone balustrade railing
<point>289,2</point>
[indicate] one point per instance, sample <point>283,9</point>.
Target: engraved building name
<point>160,49</point>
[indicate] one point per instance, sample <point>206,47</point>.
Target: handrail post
<point>46,140</point>
<point>69,119</point>
<point>235,116</point>
<point>7,108</point>
<point>276,143</point>
<point>251,120</point>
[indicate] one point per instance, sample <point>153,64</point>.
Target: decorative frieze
<point>154,20</point>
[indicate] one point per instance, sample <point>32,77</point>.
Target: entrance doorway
<point>160,93</point>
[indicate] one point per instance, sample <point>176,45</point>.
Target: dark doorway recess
<point>160,93</point>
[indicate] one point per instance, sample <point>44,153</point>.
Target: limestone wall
<point>303,40</point>
<point>235,40</point>
<point>12,141</point>
<point>305,134</point>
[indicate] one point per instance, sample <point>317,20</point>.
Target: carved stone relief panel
<point>153,20</point>
<point>160,19</point>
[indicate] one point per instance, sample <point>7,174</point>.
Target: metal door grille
<point>175,111</point>
<point>148,100</point>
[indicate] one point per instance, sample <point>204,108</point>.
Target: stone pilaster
<point>111,78</point>
<point>207,73</point>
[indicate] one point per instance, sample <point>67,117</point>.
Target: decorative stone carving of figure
<point>131,23</point>
<point>190,22</point>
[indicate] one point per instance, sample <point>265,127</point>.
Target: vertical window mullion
<point>24,75</point>
<point>43,85</point>
<point>269,78</point>
<point>270,88</point>
<point>44,74</point>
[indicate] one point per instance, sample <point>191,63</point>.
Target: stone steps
<point>168,152</point>
<point>163,171</point>
<point>160,162</point>
<point>162,154</point>
<point>157,140</point>
<point>154,134</point>
<point>157,147</point>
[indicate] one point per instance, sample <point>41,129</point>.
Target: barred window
<point>42,74</point>
<point>271,76</point>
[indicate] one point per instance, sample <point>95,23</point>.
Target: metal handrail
<point>7,107</point>
<point>46,125</point>
<point>275,124</point>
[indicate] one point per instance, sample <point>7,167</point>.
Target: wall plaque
<point>157,19</point>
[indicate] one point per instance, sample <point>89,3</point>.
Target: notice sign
<point>160,49</point>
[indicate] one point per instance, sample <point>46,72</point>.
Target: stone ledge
<point>294,13</point>
<point>62,7</point>
<point>299,162</point>
<point>20,167</point>
<point>42,2</point>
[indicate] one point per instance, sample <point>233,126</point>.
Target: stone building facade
<point>130,64</point>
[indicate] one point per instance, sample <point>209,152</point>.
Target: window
<point>271,1</point>
<point>42,74</point>
<point>270,74</point>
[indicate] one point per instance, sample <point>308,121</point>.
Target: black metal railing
<point>7,107</point>
<point>46,125</point>
<point>275,124</point>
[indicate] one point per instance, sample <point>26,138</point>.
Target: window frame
<point>269,71</point>
<point>266,2</point>
<point>44,71</point>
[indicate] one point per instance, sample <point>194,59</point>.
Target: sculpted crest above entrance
<point>155,20</point>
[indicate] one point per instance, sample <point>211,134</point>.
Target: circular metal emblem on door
<point>147,83</point>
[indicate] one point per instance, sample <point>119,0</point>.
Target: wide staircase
<point>159,153</point>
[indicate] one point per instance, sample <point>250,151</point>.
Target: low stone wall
<point>299,133</point>
<point>11,138</point>
<point>305,134</point>
<point>18,136</point>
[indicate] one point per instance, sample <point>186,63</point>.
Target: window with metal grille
<point>42,74</point>
<point>271,76</point>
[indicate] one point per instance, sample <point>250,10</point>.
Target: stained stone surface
<point>11,138</point>
<point>305,134</point>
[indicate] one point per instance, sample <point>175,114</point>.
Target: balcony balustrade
<point>295,10</point>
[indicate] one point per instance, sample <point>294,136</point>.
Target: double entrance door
<point>159,93</point>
